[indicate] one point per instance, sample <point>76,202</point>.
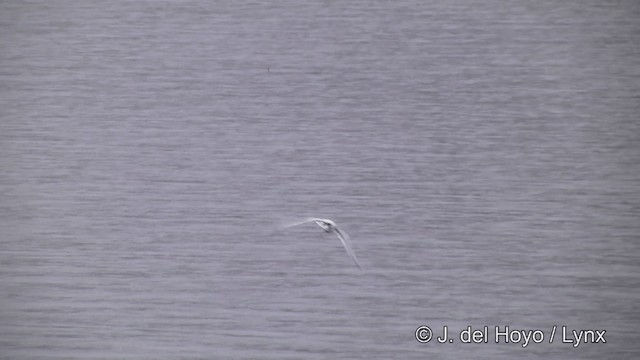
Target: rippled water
<point>483,156</point>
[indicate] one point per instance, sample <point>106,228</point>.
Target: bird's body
<point>330,227</point>
<point>327,225</point>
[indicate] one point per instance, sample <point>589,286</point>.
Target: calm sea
<point>483,156</point>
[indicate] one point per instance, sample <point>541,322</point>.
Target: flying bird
<point>330,227</point>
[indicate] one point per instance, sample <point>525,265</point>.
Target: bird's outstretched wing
<point>288,225</point>
<point>344,238</point>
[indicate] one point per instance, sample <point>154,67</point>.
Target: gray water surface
<point>483,156</point>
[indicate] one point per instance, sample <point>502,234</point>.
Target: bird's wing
<point>288,225</point>
<point>344,238</point>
